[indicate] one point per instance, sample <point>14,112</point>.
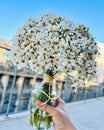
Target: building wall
<point>3,52</point>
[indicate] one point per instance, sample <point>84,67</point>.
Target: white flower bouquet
<point>50,45</point>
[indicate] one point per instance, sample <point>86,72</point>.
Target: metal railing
<point>25,104</point>
<point>10,97</point>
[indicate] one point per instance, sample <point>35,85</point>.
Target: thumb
<point>47,108</point>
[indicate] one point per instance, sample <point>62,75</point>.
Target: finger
<point>45,107</point>
<point>61,103</point>
<point>55,102</point>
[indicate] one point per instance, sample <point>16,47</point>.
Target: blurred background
<point>16,86</point>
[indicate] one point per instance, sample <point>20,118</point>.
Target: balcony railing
<point>14,104</point>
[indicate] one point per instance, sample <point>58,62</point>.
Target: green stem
<point>44,96</point>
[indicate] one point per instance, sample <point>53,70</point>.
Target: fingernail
<point>38,103</point>
<point>58,99</point>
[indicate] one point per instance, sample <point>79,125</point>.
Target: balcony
<point>86,115</point>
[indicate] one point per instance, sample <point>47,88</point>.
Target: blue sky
<point>14,13</point>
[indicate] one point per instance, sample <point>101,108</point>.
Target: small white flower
<point>52,42</point>
<point>54,93</point>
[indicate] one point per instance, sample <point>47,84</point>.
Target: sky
<point>14,14</point>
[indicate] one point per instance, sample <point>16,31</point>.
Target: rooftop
<point>86,115</point>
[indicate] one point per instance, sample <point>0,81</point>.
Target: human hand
<point>59,113</point>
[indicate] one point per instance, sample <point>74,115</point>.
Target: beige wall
<point>2,51</point>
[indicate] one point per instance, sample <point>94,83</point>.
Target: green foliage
<point>37,117</point>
